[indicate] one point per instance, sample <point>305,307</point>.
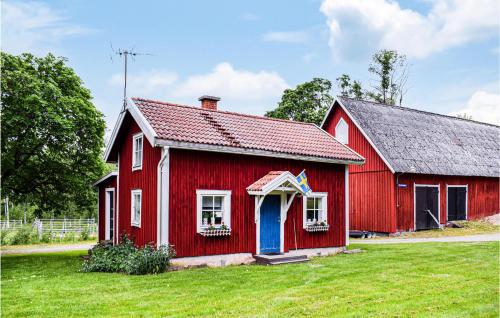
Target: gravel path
<point>47,248</point>
<point>466,238</point>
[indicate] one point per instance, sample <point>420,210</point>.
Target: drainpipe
<point>163,198</point>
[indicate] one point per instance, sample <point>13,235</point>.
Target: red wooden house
<point>212,182</point>
<point>422,169</point>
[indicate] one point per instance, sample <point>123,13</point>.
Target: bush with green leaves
<point>24,235</point>
<point>126,258</point>
<point>84,234</point>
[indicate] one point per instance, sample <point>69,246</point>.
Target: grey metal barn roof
<point>431,143</point>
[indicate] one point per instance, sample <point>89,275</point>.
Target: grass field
<point>417,280</point>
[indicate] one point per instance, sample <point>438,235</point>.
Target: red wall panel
<point>371,186</point>
<point>482,197</point>
<point>144,179</point>
<point>192,170</point>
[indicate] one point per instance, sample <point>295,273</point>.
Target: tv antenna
<point>126,53</point>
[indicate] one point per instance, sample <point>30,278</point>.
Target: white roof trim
<point>109,175</point>
<point>146,128</point>
<point>286,176</point>
<point>249,151</point>
<point>141,121</point>
<point>360,129</point>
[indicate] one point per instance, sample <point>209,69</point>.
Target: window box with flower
<point>212,230</point>
<point>317,227</point>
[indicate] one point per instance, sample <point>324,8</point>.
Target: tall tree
<point>391,75</point>
<point>348,88</point>
<point>308,102</point>
<point>52,135</point>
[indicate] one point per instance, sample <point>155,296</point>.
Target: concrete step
<point>280,259</point>
<point>296,261</point>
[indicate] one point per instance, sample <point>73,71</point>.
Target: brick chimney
<point>209,102</point>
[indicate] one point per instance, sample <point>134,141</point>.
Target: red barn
<point>211,182</point>
<point>422,169</point>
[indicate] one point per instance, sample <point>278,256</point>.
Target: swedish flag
<point>302,180</point>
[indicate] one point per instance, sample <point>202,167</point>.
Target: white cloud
<point>384,24</point>
<point>483,106</point>
<point>244,91</point>
<point>34,27</point>
<point>147,84</point>
<point>240,90</point>
<point>286,37</point>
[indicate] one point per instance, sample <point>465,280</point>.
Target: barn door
<point>457,203</point>
<point>426,207</point>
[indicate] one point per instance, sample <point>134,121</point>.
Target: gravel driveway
<point>47,248</point>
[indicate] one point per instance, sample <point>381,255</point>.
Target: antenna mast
<point>125,54</point>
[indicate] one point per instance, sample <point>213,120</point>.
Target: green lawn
<point>417,280</point>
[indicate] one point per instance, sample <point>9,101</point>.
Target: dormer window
<point>137,151</point>
<point>342,131</point>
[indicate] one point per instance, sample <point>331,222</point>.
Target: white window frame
<point>342,121</point>
<point>136,223</point>
<point>324,197</point>
<point>135,165</point>
<point>226,204</point>
<point>107,212</point>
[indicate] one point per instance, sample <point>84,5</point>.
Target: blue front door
<point>270,224</point>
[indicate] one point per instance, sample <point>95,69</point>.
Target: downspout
<point>116,219</point>
<point>346,182</point>
<point>163,198</point>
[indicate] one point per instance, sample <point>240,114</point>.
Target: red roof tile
<point>221,128</point>
<point>262,182</point>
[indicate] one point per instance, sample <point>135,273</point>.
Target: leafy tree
<point>349,89</point>
<point>391,71</point>
<point>52,135</point>
<point>308,102</point>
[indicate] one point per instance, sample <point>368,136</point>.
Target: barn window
<point>213,209</point>
<point>137,152</point>
<point>315,210</point>
<point>136,207</point>
<point>342,131</point>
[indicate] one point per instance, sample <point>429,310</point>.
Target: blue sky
<point>248,52</point>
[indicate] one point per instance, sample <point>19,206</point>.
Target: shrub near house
<point>126,258</point>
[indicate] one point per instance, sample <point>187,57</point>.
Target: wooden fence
<point>66,225</point>
<point>11,224</point>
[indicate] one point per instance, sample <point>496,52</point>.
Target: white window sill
<point>137,225</point>
<point>215,232</point>
<point>137,168</point>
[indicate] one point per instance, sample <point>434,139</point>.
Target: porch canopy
<point>283,183</point>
